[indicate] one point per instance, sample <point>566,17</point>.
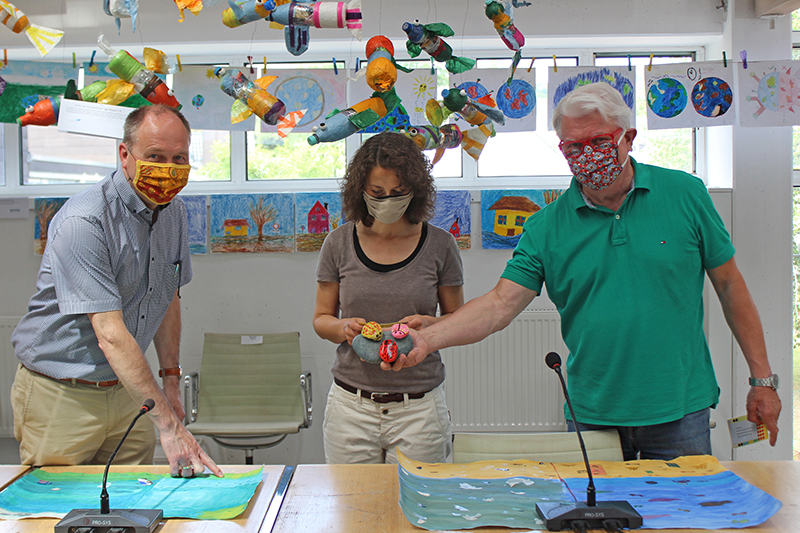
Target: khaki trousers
<point>58,423</point>
<point>358,430</point>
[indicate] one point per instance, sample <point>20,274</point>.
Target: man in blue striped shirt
<point>116,256</point>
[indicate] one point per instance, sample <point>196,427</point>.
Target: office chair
<point>561,447</point>
<point>250,392</point>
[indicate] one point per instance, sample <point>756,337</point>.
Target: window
<point>52,157</point>
<point>796,315</point>
<point>672,148</point>
<point>526,153</point>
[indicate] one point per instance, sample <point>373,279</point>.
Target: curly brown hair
<point>396,152</point>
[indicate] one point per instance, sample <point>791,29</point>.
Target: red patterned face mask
<point>160,182</point>
<point>594,162</point>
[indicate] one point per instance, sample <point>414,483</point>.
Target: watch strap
<point>176,371</point>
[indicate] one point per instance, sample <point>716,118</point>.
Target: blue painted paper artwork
<point>452,214</point>
<point>688,492</point>
<point>54,494</point>
<point>504,212</point>
<point>197,216</point>
<point>566,79</point>
<point>252,223</point>
<point>667,97</point>
<point>318,213</point>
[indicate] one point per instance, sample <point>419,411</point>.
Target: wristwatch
<point>771,381</point>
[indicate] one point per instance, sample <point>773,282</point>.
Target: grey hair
<point>136,118</point>
<point>596,97</point>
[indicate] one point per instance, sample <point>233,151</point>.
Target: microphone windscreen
<point>552,360</point>
<point>148,404</point>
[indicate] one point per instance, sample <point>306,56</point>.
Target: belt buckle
<point>374,395</point>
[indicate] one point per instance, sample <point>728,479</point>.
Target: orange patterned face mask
<point>160,182</point>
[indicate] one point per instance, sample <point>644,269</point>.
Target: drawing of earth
<point>667,98</point>
<point>302,93</point>
<point>712,97</point>
<point>516,99</point>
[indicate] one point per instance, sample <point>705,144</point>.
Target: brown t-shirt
<point>387,293</point>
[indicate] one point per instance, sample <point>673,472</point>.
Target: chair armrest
<point>191,390</point>
<point>305,389</point>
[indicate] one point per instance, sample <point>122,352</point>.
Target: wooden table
<point>364,498</point>
<point>250,521</point>
<point>9,473</point>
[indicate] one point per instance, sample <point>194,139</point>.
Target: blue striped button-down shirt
<point>103,254</point>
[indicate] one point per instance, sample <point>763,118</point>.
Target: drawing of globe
<point>517,99</point>
<point>712,97</point>
<point>667,98</point>
<point>302,93</point>
<point>768,90</point>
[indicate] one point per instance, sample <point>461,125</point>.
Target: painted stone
<point>372,330</point>
<point>369,350</point>
<point>399,331</point>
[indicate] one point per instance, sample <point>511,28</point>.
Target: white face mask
<point>389,209</point>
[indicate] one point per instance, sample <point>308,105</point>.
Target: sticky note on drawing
<point>744,432</point>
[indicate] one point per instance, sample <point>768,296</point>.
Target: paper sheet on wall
<point>205,106</point>
<point>769,93</point>
<point>690,95</point>
<point>26,82</point>
<point>516,100</point>
<point>54,494</point>
<point>562,81</point>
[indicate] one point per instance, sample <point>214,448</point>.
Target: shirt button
<point>386,411</point>
<point>617,217</point>
<point>142,316</point>
<point>152,259</point>
<point>151,289</point>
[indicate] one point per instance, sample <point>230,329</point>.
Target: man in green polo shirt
<point>624,252</point>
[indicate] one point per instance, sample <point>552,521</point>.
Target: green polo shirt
<point>629,288</point>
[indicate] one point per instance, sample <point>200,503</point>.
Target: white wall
<point>275,292</point>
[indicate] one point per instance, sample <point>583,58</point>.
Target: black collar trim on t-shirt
<point>377,267</point>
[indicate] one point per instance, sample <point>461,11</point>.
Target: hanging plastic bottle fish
<point>252,97</point>
<point>44,39</point>
<point>120,9</point>
<point>296,18</point>
<point>42,113</point>
<point>142,77</point>
<point>501,13</point>
<point>474,113</point>
<point>429,38</point>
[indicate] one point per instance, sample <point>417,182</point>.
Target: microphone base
<point>117,521</point>
<point>571,516</point>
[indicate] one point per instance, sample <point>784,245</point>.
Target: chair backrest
<point>250,378</point>
<point>562,447</point>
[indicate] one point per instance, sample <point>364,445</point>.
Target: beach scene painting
<point>252,223</point>
<point>197,217</point>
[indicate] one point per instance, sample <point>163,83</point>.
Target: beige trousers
<point>358,430</point>
<point>58,423</point>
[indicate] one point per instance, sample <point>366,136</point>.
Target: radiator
<point>8,368</point>
<point>502,384</point>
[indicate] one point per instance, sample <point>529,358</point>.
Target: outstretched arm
<point>763,403</point>
<point>130,365</point>
<point>473,322</point>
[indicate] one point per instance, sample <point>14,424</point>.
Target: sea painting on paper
<point>44,209</point>
<point>687,492</point>
<point>197,216</point>
<point>252,223</point>
<point>43,493</point>
<point>504,212</point>
<point>452,215</point>
<point>318,213</point>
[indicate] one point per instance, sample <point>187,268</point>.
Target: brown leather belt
<point>98,384</point>
<point>380,397</point>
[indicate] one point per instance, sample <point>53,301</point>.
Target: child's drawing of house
<point>511,212</point>
<point>318,218</point>
<point>235,227</point>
